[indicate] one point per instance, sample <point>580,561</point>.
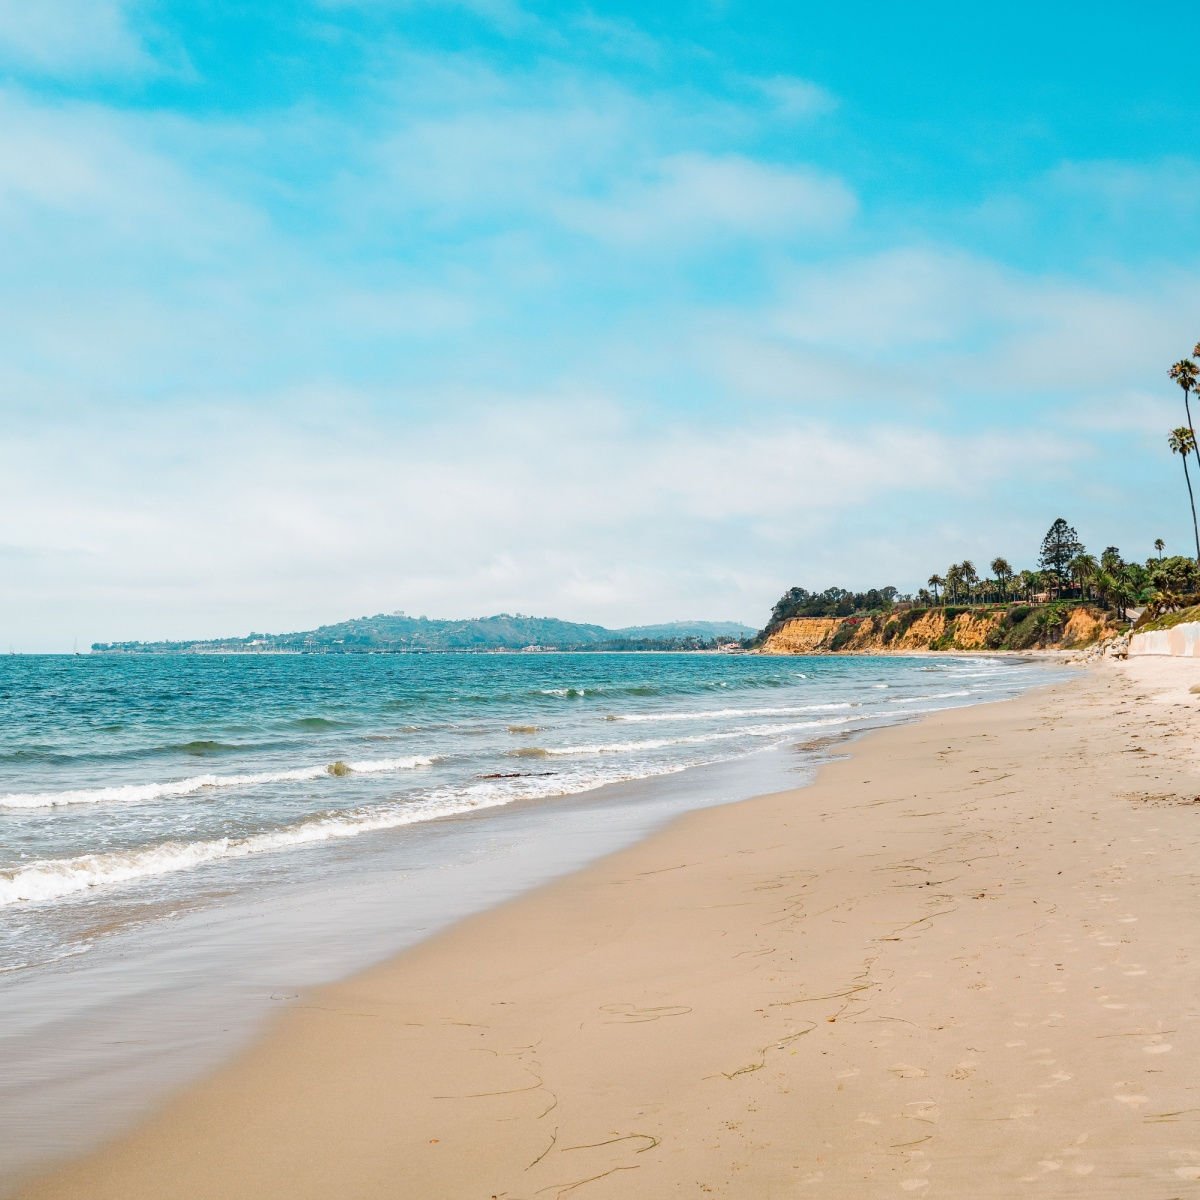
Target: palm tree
<point>1184,374</point>
<point>1183,442</point>
<point>935,582</point>
<point>970,577</point>
<point>1159,546</point>
<point>1002,570</point>
<point>953,582</point>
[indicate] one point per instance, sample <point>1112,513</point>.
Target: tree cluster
<point>832,602</point>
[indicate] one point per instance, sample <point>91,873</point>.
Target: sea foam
<point>59,878</point>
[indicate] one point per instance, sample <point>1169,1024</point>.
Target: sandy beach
<point>964,961</point>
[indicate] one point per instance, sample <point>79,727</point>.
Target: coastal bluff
<point>936,629</point>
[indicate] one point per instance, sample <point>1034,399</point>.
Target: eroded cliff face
<point>803,635</point>
<point>1086,627</point>
<point>929,630</point>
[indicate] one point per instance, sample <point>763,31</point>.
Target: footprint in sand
<point>907,1071</point>
<point>630,1014</point>
<point>1158,1048</point>
<point>1055,1080</point>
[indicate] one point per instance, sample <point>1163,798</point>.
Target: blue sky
<point>611,312</point>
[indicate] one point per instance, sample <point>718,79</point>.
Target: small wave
<point>578,693</point>
<point>751,731</point>
<point>529,752</point>
<point>524,728</point>
<point>315,723</point>
<point>203,746</point>
<point>717,713</point>
<point>171,789</point>
<point>931,696</point>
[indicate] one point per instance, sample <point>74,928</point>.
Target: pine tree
<point>1059,546</point>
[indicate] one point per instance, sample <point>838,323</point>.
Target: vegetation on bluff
<point>1007,609</point>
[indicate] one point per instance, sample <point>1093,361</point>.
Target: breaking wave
<point>54,879</point>
<point>131,793</point>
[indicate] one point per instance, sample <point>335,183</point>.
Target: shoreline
<point>686,1000</point>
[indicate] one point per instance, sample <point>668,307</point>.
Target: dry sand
<point>966,962</point>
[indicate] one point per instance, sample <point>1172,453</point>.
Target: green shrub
<point>845,632</point>
<point>1026,633</point>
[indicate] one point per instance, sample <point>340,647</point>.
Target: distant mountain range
<point>397,633</point>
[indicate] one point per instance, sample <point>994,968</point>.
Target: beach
<point>961,961</point>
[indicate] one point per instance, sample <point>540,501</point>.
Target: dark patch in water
<point>203,746</point>
<point>515,774</point>
<point>314,723</point>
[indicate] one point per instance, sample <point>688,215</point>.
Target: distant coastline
<point>504,633</point>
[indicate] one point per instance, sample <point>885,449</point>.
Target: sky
<point>612,312</point>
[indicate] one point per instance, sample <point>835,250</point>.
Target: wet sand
<point>966,961</point>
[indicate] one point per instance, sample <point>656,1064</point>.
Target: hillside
<point>399,633</point>
<point>1019,627</point>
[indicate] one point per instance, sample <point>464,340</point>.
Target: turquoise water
<point>177,860</point>
<point>128,781</point>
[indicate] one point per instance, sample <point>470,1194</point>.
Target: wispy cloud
<point>794,97</point>
<point>69,38</point>
<point>701,198</point>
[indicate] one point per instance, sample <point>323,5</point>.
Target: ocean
<point>186,840</point>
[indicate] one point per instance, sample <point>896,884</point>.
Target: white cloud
<point>561,506</point>
<point>793,97</point>
<point>696,197</point>
<point>110,174</point>
<point>958,322</point>
<point>71,37</point>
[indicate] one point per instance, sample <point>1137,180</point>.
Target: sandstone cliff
<point>1018,628</point>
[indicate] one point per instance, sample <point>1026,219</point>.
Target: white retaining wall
<point>1181,642</point>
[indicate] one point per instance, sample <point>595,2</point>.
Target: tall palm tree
<point>970,577</point>
<point>1159,547</point>
<point>1183,442</point>
<point>1184,374</point>
<point>1002,570</point>
<point>954,580</point>
<point>935,582</point>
